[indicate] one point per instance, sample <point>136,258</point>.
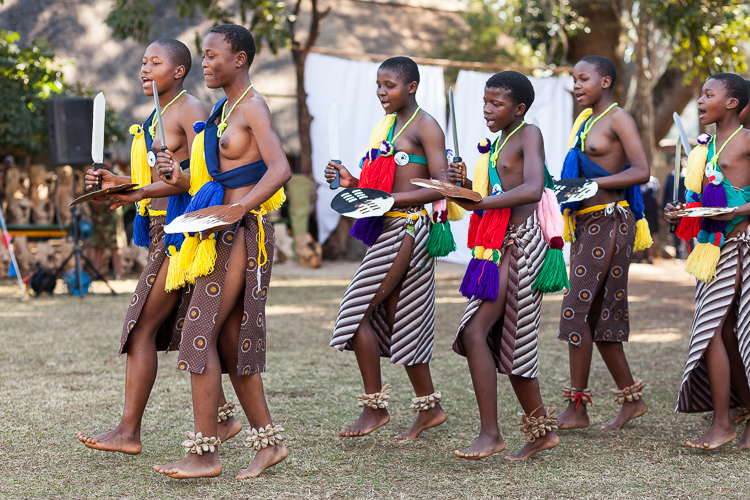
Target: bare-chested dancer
<point>716,372</point>
<point>225,322</point>
<point>388,310</point>
<point>499,329</point>
<point>152,323</point>
<point>607,149</point>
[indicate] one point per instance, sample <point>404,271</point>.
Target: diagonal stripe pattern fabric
<point>513,339</point>
<point>410,340</point>
<point>712,304</point>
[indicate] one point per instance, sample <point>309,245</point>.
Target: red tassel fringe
<point>474,222</point>
<point>378,174</point>
<point>689,227</point>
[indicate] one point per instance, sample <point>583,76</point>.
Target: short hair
<point>404,68</point>
<point>603,66</point>
<point>239,38</point>
<point>735,86</point>
<point>518,85</point>
<point>178,52</point>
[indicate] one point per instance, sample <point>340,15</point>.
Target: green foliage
<point>708,36</point>
<point>265,18</point>
<point>28,76</point>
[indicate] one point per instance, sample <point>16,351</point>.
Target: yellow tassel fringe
<point>569,234</point>
<point>175,275</point>
<point>380,132</point>
<point>455,212</point>
<point>702,261</point>
<point>643,238</point>
<point>481,181</point>
<point>585,114</point>
<point>205,258</point>
<point>696,166</point>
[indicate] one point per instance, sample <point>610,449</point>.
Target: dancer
<point>604,230</point>
<point>718,365</point>
<point>509,233</point>
<point>151,323</point>
<point>388,310</point>
<point>237,159</point>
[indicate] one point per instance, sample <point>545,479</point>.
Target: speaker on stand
<point>69,123</point>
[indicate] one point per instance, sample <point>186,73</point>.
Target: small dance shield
<point>211,219</point>
<point>703,211</point>
<point>447,189</point>
<point>359,203</point>
<point>575,189</point>
<point>103,193</point>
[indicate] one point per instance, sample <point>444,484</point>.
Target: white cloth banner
<point>352,85</point>
<point>552,112</point>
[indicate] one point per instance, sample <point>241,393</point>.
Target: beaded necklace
<point>587,129</point>
<point>155,121</point>
<point>223,123</point>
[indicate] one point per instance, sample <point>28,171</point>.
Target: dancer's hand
<point>457,173</point>
<point>92,178</point>
<point>668,209</point>
<point>126,198</point>
<point>346,180</point>
<point>467,205</point>
<point>166,162</point>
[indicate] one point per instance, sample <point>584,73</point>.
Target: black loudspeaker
<point>69,122</point>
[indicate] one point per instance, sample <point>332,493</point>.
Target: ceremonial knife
<point>457,156</point>
<point>167,175</point>
<point>677,158</point>
<point>97,136</point>
<point>333,140</point>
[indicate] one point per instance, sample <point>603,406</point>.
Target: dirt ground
<point>60,374</point>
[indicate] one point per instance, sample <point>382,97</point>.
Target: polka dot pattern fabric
<point>588,255</point>
<point>199,321</point>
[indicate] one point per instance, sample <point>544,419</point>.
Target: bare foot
<point>265,458</point>
<point>714,437</point>
<point>425,420</point>
<point>744,442</point>
<point>573,418</point>
<point>484,446</point>
<point>227,429</point>
<point>709,415</point>
<point>193,465</point>
<point>550,440</point>
<point>368,421</point>
<point>114,440</point>
<point>628,411</point>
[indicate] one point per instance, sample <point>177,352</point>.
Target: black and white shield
<point>575,189</point>
<point>358,203</point>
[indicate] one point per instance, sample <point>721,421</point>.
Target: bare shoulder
<point>193,108</point>
<point>255,109</point>
<point>530,132</point>
<point>620,117</point>
<point>427,125</point>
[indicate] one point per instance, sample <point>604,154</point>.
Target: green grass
<point>59,373</point>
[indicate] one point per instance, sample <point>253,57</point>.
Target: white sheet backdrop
<point>552,111</point>
<point>352,84</point>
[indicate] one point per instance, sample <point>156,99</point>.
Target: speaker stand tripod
<point>78,254</point>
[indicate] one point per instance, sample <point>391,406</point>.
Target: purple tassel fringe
<point>368,230</point>
<point>466,289</point>
<point>481,281</point>
<point>714,196</point>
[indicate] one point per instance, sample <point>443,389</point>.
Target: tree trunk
<point>299,56</point>
<point>643,105</point>
<point>603,39</point>
<point>671,94</point>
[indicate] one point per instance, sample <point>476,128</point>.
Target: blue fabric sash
<point>577,164</point>
<point>245,175</point>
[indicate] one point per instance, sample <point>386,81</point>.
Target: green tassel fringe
<point>440,242</point>
<point>554,276</point>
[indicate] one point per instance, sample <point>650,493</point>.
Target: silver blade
<point>97,131</point>
<point>333,131</point>
<point>677,158</point>
<point>681,130</point>
<point>453,118</point>
<point>158,115</point>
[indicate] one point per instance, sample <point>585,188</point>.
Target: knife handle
<point>167,175</point>
<point>335,182</point>
<point>98,166</point>
<point>457,159</point>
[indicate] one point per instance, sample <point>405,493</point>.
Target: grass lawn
<point>60,374</point>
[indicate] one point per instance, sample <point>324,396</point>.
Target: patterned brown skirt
<point>204,304</point>
<point>595,232</point>
<point>168,334</point>
<point>513,339</point>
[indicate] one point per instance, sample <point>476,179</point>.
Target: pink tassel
<point>550,216</point>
